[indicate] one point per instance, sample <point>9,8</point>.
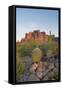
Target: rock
<point>33,67</point>
<point>39,72</point>
<point>51,66</point>
<point>57,65</point>
<point>24,76</point>
<point>32,70</point>
<point>27,61</point>
<point>33,77</point>
<point>45,78</point>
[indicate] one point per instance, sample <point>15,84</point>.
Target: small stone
<point>51,66</point>
<point>45,78</point>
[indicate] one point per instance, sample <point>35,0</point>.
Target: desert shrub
<point>49,48</point>
<point>26,48</point>
<point>49,53</point>
<point>36,55</point>
<point>19,67</point>
<point>25,51</point>
<point>54,76</point>
<point>44,48</point>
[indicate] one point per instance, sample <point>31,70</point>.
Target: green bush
<point>49,48</point>
<point>26,48</point>
<point>44,48</point>
<point>54,76</point>
<point>19,67</point>
<point>24,51</point>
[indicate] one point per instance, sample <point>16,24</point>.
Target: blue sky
<point>28,20</point>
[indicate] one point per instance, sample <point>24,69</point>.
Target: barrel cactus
<point>36,55</point>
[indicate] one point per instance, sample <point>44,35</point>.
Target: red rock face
<point>28,36</point>
<point>35,35</point>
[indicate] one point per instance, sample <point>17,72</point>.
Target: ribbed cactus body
<point>36,55</point>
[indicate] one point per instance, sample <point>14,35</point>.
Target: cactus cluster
<point>36,55</point>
